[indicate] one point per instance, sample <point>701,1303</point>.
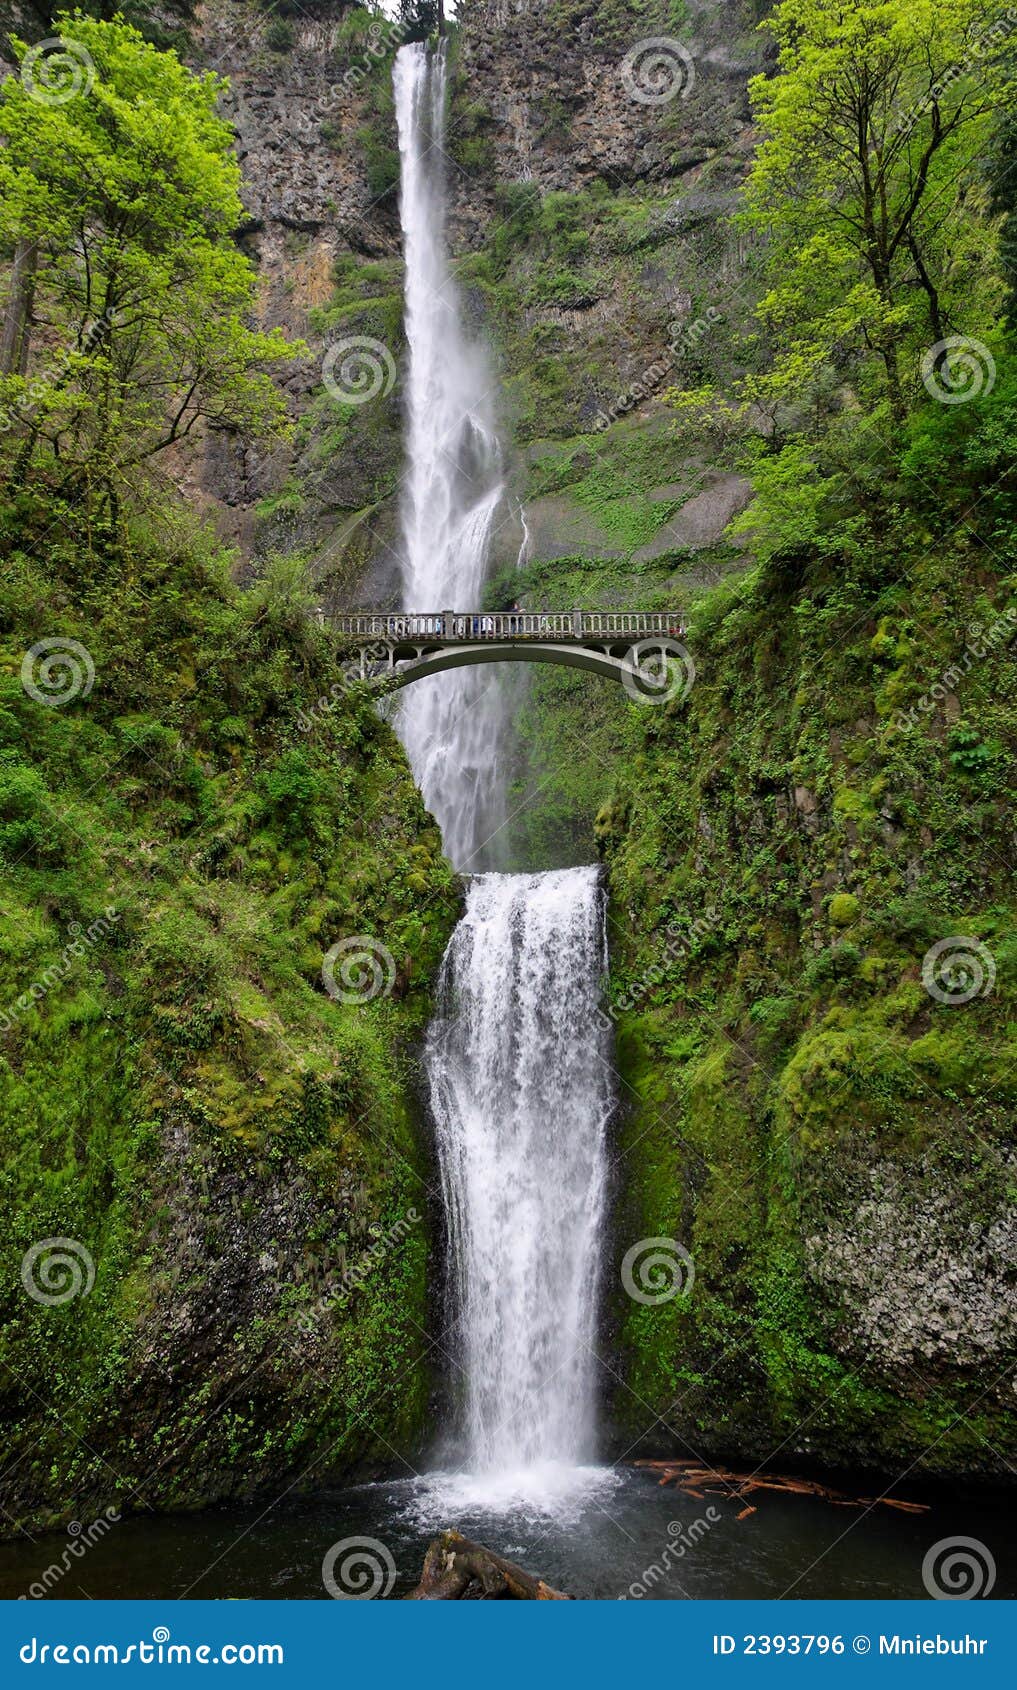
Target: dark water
<point>628,1536</point>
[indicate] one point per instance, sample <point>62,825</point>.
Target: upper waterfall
<point>454,486</point>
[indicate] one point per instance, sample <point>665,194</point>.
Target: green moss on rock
<point>832,1142</point>
<point>234,1152</point>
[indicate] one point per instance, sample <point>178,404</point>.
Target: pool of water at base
<point>613,1534</point>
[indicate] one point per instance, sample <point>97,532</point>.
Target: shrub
<point>844,908</point>
<point>279,35</point>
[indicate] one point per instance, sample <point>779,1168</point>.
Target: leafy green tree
<point>421,18</point>
<point>165,22</point>
<point>863,176</point>
<point>132,333</point>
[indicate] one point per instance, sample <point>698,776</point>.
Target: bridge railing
<point>469,625</point>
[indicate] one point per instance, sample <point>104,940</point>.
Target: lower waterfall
<point>521,1092</point>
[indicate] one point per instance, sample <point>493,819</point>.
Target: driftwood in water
<point>697,1480</point>
<point>455,1568</point>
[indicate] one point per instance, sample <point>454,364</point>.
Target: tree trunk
<point>935,319</point>
<point>15,335</point>
<point>455,1568</point>
<point>898,409</point>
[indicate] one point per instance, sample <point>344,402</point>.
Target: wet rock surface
<point>917,1276</point>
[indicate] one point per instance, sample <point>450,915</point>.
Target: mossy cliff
<point>827,1133</point>
<point>232,1153</point>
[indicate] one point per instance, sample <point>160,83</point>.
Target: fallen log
<point>689,1476</point>
<point>456,1569</point>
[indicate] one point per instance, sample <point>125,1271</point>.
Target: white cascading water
<point>520,1090</point>
<point>452,726</point>
<point>517,1056</point>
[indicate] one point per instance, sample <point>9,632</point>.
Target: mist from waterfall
<point>452,726</point>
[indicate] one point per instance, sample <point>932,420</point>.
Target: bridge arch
<point>436,661</point>
<point>638,649</point>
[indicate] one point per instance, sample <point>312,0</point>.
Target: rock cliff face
<point>296,109</point>
<point>589,187</point>
<point>628,279</point>
<point>283,104</point>
<point>913,1277</point>
<point>575,90</point>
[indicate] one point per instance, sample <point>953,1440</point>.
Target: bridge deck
<point>451,627</point>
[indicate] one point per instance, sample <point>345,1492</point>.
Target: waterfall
<point>517,1056</point>
<point>453,725</point>
<point>520,1089</point>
